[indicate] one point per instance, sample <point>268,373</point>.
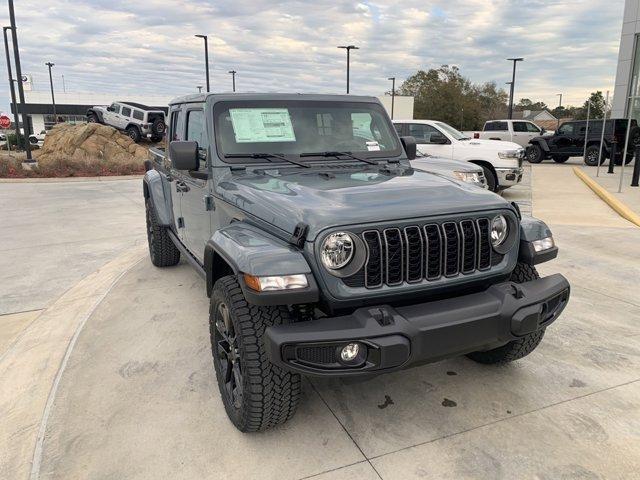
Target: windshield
<point>296,127</point>
<point>452,131</point>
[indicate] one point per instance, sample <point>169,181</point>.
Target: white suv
<point>501,161</point>
<point>136,120</point>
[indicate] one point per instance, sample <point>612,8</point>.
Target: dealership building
<point>627,88</point>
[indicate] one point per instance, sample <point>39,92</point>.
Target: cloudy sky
<point>123,46</point>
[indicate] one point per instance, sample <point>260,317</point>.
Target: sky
<point>124,46</point>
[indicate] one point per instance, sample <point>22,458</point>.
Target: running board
<point>190,258</point>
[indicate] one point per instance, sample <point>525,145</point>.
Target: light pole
<point>348,48</point>
<point>11,87</point>
<point>16,54</point>
<point>233,78</point>
<point>206,58</point>
<point>559,107</point>
<point>64,87</point>
<point>53,98</point>
<point>393,93</point>
<point>513,84</point>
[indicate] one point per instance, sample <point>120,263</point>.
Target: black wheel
<point>521,347</point>
<point>161,248</point>
<point>256,394</point>
<point>92,118</point>
<point>133,133</point>
<point>591,156</point>
<point>156,138</point>
<point>560,158</point>
<point>534,154</point>
<point>158,127</point>
<point>492,180</point>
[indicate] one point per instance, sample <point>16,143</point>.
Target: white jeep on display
<point>136,120</point>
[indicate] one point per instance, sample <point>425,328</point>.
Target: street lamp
<point>53,98</point>
<point>393,93</point>
<point>233,78</point>
<point>348,48</point>
<point>11,87</point>
<point>559,106</point>
<point>513,84</point>
<point>206,57</point>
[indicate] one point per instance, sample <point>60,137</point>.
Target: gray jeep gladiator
<point>325,253</point>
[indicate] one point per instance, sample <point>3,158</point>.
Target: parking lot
<point>134,393</point>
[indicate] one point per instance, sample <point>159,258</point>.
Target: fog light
<point>350,352</point>
<point>543,244</point>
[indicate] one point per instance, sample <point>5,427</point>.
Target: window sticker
<point>373,146</point>
<point>253,125</point>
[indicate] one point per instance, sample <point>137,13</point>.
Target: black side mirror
<point>543,131</point>
<point>409,145</point>
<point>184,155</point>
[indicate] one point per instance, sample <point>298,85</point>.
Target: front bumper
<point>397,338</point>
<point>508,177</point>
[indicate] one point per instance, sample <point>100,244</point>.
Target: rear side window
<point>176,125</point>
<point>138,115</point>
<point>126,111</point>
<point>495,127</point>
<point>520,126</point>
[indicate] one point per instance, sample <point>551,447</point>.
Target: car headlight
<point>337,250</point>
<point>511,153</point>
<point>499,230</point>
<point>469,177</point>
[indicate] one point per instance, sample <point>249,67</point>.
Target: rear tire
<point>516,349</point>
<point>133,133</point>
<point>535,154</point>
<point>161,248</point>
<point>256,394</point>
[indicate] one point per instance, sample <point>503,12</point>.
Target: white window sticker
<point>254,125</point>
<point>373,146</point>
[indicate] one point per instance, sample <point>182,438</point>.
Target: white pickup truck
<point>501,161</point>
<point>516,131</point>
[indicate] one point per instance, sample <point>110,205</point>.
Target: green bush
<point>11,139</point>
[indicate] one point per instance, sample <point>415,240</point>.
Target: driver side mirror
<point>184,155</point>
<point>409,145</point>
<point>543,131</point>
<point>110,108</point>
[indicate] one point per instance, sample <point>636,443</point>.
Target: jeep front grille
<point>417,252</point>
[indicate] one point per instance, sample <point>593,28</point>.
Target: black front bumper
<point>395,338</point>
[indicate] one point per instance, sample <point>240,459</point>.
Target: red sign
<point>5,122</point>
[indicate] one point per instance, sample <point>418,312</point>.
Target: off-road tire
<point>591,156</point>
<point>521,347</point>
<point>162,250</point>
<point>156,138</point>
<point>93,118</point>
<point>492,180</point>
<point>560,158</point>
<point>534,154</point>
<point>134,133</point>
<point>270,395</point>
<point>158,127</point>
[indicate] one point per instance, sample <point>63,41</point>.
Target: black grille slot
<point>414,255</point>
<point>469,245</point>
<point>394,256</point>
<point>484,244</point>
<point>434,251</point>
<point>319,355</point>
<point>451,249</point>
<point>373,268</point>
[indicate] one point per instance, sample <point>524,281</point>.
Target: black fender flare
<point>542,143</point>
<point>532,229</point>
<point>97,113</point>
<point>154,190</point>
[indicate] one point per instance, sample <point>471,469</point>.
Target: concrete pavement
<point>136,397</point>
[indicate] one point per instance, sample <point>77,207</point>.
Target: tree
<point>526,104</point>
<point>444,94</point>
<point>598,106</point>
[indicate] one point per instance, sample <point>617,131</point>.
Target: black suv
<point>569,140</point>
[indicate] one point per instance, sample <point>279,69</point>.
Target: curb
<point>619,207</point>
<point>108,178</point>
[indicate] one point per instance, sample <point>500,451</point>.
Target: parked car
<point>455,169</point>
<point>138,121</point>
<point>37,139</point>
<point>501,161</point>
<point>325,253</point>
<point>516,131</point>
<point>569,141</point>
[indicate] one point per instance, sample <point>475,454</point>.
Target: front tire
<point>162,251</point>
<point>591,156</point>
<point>256,394</point>
<point>92,118</point>
<point>535,154</point>
<point>516,349</point>
<point>492,180</point>
<point>560,158</point>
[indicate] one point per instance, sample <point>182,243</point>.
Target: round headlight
<point>337,250</point>
<point>499,230</point>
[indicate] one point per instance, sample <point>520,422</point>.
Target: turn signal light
<point>275,283</point>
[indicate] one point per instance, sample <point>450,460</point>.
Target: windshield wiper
<point>338,154</point>
<point>266,156</point>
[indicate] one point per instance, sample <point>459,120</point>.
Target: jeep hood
<point>349,196</point>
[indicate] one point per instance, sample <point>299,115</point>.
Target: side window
<point>115,108</point>
<point>126,112</point>
<point>176,124</point>
<point>519,127</point>
<point>422,132</point>
<point>532,128</point>
<point>496,127</point>
<point>138,115</point>
<point>196,132</point>
<point>566,129</point>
